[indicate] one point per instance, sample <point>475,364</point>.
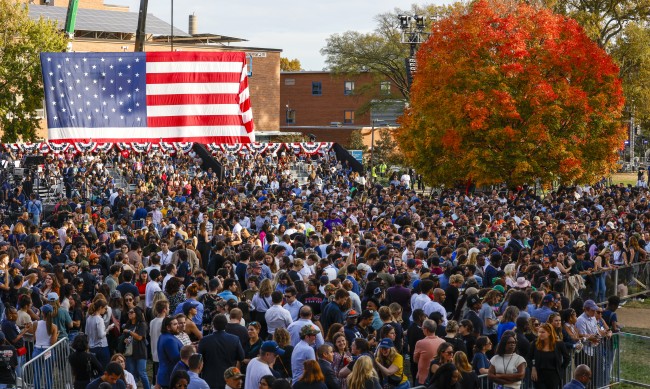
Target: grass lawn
<point>635,356</point>
<point>624,178</point>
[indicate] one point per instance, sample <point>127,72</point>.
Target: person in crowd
<point>195,364</point>
<point>111,376</point>
<point>261,366</point>
<point>341,355</point>
<point>220,351</point>
<point>283,364</point>
<point>507,368</point>
<point>303,351</point>
<point>179,380</point>
<point>136,331</point>
<point>426,350</point>
<point>84,364</point>
<point>325,355</point>
<point>127,377</point>
<point>363,375</point>
<point>447,376</point>
<point>548,358</point>
<point>96,330</point>
<point>252,349</point>
<point>169,348</point>
<point>581,378</point>
<point>311,378</point>
<point>469,379</point>
<point>480,361</point>
<point>390,364</point>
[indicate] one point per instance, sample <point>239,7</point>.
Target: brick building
<point>331,106</point>
<point>95,32</point>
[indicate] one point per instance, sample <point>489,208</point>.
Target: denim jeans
<point>599,288</point>
<point>138,367</point>
<point>103,355</point>
<point>40,367</point>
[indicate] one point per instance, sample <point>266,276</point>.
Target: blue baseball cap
<point>271,347</point>
<point>386,343</point>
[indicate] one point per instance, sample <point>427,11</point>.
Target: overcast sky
<point>298,27</point>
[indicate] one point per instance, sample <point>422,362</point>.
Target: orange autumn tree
<point>506,92</point>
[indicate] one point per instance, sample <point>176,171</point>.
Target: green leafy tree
<point>356,141</point>
<point>379,52</point>
<point>290,65</point>
<point>605,20</point>
<point>632,53</point>
<point>21,87</point>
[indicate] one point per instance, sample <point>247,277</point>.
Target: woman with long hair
<point>128,303</point>
<point>261,303</point>
<point>444,354</point>
<point>252,349</point>
<point>96,330</point>
<point>363,375</point>
<point>469,379</point>
<point>548,359</point>
<point>50,284</point>
<point>507,321</point>
<point>555,321</point>
<point>334,329</point>
<point>446,377</point>
<point>342,356</point>
<point>601,266</point>
<point>45,335</point>
<point>480,362</point>
<point>84,365</point>
<point>283,363</point>
<point>127,377</point>
<point>136,330</point>
<point>390,364</point>
<point>312,377</point>
<point>174,293</point>
<point>141,283</point>
<point>507,368</point>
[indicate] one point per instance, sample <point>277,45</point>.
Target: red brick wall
<point>322,110</point>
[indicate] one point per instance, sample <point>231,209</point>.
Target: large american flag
<point>147,97</point>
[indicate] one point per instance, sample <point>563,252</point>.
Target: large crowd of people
<point>257,280</point>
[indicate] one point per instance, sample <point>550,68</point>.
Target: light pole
<point>172,28</point>
<point>413,34</point>
<point>372,147</point>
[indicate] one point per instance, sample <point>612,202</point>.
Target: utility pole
<point>141,33</point>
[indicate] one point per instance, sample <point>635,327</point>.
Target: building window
<point>348,117</point>
<point>384,88</point>
<point>349,88</point>
<point>316,88</point>
<point>291,116</point>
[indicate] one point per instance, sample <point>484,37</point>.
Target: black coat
<point>331,380</point>
<point>220,351</point>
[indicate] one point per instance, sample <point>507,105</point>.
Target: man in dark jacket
<point>333,312</point>
<point>325,359</point>
<point>220,351</point>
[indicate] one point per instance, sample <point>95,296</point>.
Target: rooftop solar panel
<point>105,21</point>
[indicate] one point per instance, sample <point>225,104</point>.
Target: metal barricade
<point>49,369</point>
<point>604,359</point>
<point>633,360</point>
<point>625,281</point>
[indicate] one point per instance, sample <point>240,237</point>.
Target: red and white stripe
<point>198,97</point>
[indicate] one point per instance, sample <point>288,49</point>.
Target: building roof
<point>104,21</point>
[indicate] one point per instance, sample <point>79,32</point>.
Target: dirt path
<point>634,317</point>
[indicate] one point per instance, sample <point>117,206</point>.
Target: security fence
<point>625,281</point>
<point>48,368</point>
<point>603,359</point>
